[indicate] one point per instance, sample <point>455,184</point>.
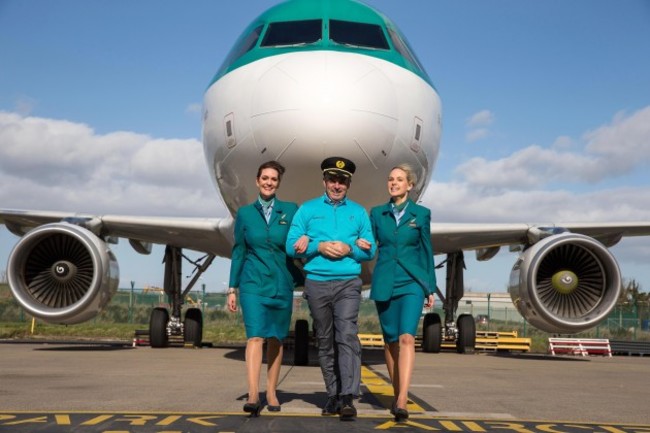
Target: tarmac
<point>114,387</point>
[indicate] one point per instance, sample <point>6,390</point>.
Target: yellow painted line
<point>383,390</point>
<point>62,419</point>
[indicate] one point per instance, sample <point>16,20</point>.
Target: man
<point>324,232</point>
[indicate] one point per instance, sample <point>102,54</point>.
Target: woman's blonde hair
<point>411,178</point>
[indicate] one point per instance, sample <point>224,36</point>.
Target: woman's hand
<point>363,244</point>
<point>429,301</point>
<point>301,244</point>
<point>231,300</point>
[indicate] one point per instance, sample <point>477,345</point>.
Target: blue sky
<point>546,113</point>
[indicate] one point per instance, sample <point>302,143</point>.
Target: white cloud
<point>477,126</point>
<point>608,151</point>
<point>458,202</point>
<point>624,143</point>
<point>194,108</point>
<point>25,105</point>
<point>476,134</point>
<point>562,142</point>
<point>59,165</point>
<point>482,118</point>
<point>529,168</point>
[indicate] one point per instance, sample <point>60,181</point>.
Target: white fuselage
<point>301,107</point>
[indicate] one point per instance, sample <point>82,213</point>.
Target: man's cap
<point>338,166</point>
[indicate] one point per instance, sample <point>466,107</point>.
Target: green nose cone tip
<point>565,282</point>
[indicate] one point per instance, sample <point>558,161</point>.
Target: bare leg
<point>253,366</point>
<point>274,352</point>
<point>405,368</point>
<point>391,353</point>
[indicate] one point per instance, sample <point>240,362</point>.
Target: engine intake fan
<point>566,283</point>
<point>62,273</point>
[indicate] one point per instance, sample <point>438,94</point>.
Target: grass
<point>100,331</point>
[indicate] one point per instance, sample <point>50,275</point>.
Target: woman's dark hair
<point>275,165</point>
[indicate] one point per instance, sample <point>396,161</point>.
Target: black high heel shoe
<point>401,415</point>
<point>273,408</point>
<point>253,408</point>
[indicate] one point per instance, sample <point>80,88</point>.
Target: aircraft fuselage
<point>303,104</point>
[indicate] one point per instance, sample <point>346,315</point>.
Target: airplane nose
<point>335,102</point>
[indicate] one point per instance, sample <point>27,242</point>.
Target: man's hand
<point>334,249</point>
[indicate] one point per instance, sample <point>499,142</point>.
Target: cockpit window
<point>358,34</point>
<point>292,33</point>
<point>244,45</point>
<point>404,49</point>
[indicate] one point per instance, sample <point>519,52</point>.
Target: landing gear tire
<point>158,327</point>
<point>466,334</point>
<point>193,327</point>
<point>301,343</point>
<point>431,333</point>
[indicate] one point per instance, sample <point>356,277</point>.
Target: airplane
<point>307,80</point>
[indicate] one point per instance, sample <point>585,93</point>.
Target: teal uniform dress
<point>262,271</point>
<point>404,274</point>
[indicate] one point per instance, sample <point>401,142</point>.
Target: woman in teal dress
<point>265,277</point>
<point>403,280</point>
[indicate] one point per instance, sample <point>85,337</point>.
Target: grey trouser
<point>334,307</point>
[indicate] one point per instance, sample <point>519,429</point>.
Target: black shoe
<point>332,406</point>
<point>273,408</point>
<point>348,411</point>
<point>253,408</point>
<point>401,415</point>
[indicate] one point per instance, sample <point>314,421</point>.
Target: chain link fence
<point>133,306</point>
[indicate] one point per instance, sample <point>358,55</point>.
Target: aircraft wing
<point>565,281</point>
<point>62,271</point>
<point>210,235</point>
<point>449,238</point>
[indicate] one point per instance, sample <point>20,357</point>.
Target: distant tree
<point>632,294</point>
<point>3,277</point>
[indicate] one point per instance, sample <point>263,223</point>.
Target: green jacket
<point>259,263</point>
<point>404,251</point>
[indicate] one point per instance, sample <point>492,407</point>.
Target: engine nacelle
<point>62,273</point>
<point>566,283</point>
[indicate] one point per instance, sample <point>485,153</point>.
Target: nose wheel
<point>301,343</point>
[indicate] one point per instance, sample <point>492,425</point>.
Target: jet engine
<point>62,273</point>
<point>565,283</point>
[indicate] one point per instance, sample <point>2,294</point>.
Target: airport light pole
<point>131,303</point>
